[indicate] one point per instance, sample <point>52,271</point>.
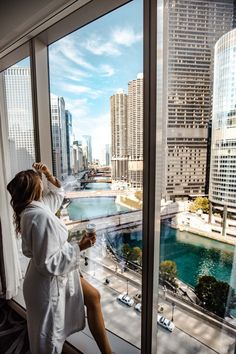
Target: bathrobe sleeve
<point>52,195</point>
<point>49,255</point>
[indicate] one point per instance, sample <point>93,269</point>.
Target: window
<point>96,96</point>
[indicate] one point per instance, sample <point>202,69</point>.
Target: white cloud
<point>126,36</point>
<point>98,46</point>
<point>107,70</point>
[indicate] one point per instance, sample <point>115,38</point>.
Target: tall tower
<point>193,28</point>
<point>135,132</point>
<point>223,149</point>
<point>119,152</point>
<point>69,140</point>
<point>60,164</point>
<point>88,142</point>
<point>17,85</point>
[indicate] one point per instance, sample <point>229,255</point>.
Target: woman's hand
<point>41,167</point>
<point>87,241</point>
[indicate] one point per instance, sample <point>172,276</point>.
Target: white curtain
<point>10,253</point>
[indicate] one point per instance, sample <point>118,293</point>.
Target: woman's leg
<point>95,317</point>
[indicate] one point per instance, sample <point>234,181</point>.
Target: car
<point>138,307</point>
<point>164,322</point>
<point>126,299</point>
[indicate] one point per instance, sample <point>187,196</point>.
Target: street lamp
<point>173,309</point>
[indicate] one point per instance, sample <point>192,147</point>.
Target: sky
<point>91,64</point>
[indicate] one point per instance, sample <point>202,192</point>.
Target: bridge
<point>93,180</point>
<point>127,219</point>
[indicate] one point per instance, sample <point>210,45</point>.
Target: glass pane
<point>197,251</point>
<point>96,85</point>
<point>19,114</point>
<point>17,86</point>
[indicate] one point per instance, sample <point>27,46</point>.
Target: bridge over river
<point>126,218</point>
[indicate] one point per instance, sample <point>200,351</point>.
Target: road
<point>194,334</point>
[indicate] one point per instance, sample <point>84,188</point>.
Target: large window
<point>198,230</point>
<point>145,149</point>
<point>96,95</point>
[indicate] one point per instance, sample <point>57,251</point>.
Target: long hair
<point>23,188</point>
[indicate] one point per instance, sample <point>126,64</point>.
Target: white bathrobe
<point>52,288</point>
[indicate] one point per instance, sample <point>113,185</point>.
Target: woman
<point>54,291</point>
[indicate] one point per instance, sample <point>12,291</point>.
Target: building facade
<point>119,145</point>
<point>135,132</point>
<point>87,144</point>
<point>58,121</point>
<point>222,192</point>
<point>191,31</point>
<point>17,91</point>
<point>69,140</point>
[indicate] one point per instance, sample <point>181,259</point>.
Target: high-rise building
<point>17,91</point>
<point>69,140</point>
<point>119,147</point>
<point>88,143</point>
<point>191,31</point>
<point>222,190</point>
<point>59,144</point>
<point>135,132</point>
<point>107,154</point>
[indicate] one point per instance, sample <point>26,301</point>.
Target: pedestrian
<point>54,291</point>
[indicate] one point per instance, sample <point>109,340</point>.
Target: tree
<point>168,273</point>
<point>126,252</point>
<point>200,203</point>
<point>137,254</point>
<point>214,294</point>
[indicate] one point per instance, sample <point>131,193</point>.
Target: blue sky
<point>91,64</point>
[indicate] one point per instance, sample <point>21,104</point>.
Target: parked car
<point>164,322</point>
<point>126,299</point>
<point>138,307</point>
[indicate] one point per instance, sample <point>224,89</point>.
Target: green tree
<point>126,251</point>
<point>214,294</point>
<point>168,273</point>
<point>201,203</point>
<point>137,254</point>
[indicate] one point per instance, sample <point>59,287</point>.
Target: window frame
<point>37,49</point>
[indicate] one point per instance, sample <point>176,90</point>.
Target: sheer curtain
<point>9,245</point>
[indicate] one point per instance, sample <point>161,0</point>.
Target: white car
<point>164,322</point>
<point>138,307</point>
<point>126,299</point>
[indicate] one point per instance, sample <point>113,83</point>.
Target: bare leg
<point>95,317</point>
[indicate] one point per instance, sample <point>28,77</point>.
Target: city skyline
<point>89,65</point>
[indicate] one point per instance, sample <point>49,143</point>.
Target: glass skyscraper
<point>223,153</point>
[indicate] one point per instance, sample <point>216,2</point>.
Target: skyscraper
<point>60,164</point>
<point>69,140</point>
<point>88,142</point>
<point>192,29</point>
<point>17,90</point>
<point>135,132</point>
<point>119,147</point>
<point>107,154</point>
<point>223,151</point>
